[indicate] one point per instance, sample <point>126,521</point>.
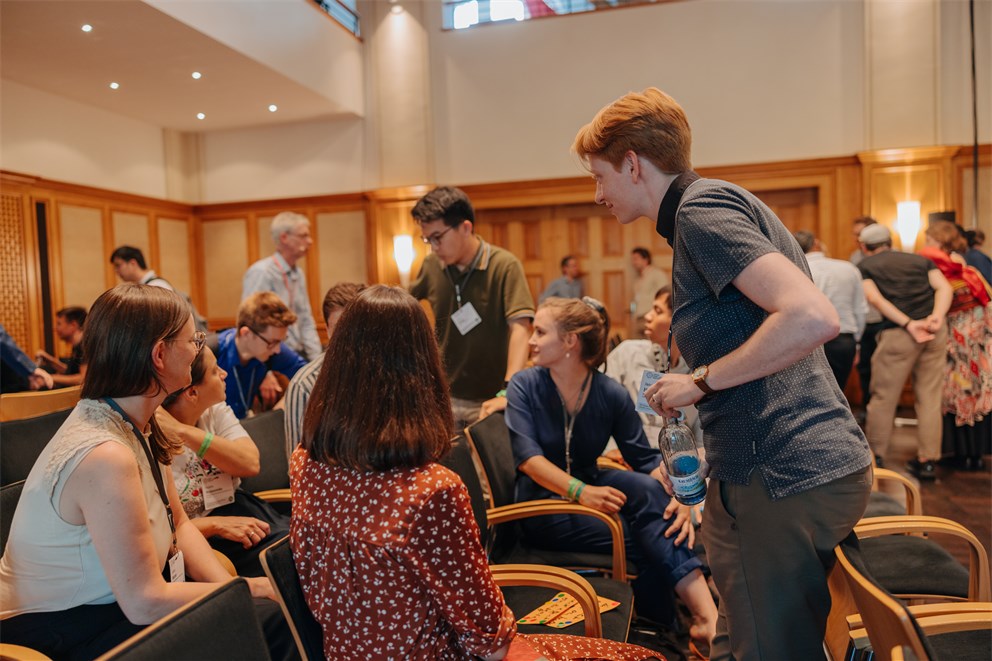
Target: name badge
<point>648,379</point>
<point>177,568</point>
<point>218,490</point>
<point>466,318</point>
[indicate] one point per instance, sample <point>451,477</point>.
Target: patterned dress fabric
<point>391,567</point>
<point>968,375</point>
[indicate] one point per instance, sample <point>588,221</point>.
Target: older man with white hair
<point>279,274</point>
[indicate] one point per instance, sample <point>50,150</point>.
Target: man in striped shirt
<point>300,387</point>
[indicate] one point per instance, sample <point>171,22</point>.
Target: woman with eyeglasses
<point>100,545</point>
<point>561,413</point>
<point>383,537</point>
<point>255,347</point>
<point>217,452</point>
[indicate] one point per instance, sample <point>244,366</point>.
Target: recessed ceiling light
<point>114,86</point>
<point>86,27</point>
<point>273,108</point>
<point>197,75</point>
<point>200,115</point>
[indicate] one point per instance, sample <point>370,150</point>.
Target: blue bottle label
<point>687,483</point>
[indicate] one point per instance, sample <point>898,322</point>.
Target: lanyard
<point>241,393</point>
<point>285,281</point>
<point>155,469</point>
<point>668,364</point>
<point>569,422</point>
<point>460,285</point>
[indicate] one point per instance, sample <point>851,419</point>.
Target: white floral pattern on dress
<point>391,567</point>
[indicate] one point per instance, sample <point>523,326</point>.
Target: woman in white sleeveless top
<point>92,556</point>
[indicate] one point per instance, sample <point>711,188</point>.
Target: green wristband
<point>501,393</point>
<point>206,444</point>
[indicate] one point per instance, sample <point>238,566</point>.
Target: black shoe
<point>925,471</point>
<point>974,464</point>
<point>879,462</point>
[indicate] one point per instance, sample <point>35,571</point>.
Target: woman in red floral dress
<point>383,537</point>
<point>967,397</point>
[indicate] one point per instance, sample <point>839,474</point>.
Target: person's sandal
<point>696,653</point>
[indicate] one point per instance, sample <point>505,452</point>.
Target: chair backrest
<point>888,622</point>
<point>21,441</point>
<point>21,405</point>
<point>460,461</point>
<point>219,625</point>
<point>9,495</point>
<point>266,429</point>
<point>277,561</point>
<point>489,439</point>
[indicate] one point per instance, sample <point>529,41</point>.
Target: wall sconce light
<point>908,224</point>
<point>403,254</point>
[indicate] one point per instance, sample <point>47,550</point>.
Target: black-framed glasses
<point>435,239</point>
<point>269,344</point>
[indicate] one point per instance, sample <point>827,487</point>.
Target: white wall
<point>51,136</point>
<point>306,158</point>
<point>759,81</point>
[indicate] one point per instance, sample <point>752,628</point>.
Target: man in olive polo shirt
<point>481,303</point>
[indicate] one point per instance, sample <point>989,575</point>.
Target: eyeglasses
<point>269,344</point>
<point>435,239</point>
<point>199,339</point>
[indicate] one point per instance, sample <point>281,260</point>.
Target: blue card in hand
<point>647,380</point>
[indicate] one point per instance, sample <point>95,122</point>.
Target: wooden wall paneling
<point>18,285</point>
<point>614,297</point>
<point>578,238</point>
<point>341,253</point>
<point>389,215</point>
<point>133,229</point>
<point>964,192</point>
<point>83,238</point>
<point>923,174</point>
<point>175,261</point>
<point>226,248</point>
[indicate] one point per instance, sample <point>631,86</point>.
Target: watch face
<point>699,373</point>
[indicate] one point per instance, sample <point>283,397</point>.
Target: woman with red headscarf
<point>967,399</point>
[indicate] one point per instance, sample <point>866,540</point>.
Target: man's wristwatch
<point>699,378</point>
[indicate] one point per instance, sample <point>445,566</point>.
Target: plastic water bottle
<point>679,451</point>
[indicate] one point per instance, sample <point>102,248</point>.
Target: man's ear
<point>243,331</point>
<point>631,164</point>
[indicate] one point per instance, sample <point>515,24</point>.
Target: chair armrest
<point>546,506</point>
<point>978,571</point>
<point>20,653</point>
<point>934,625</point>
<point>275,496</point>
<point>605,463</point>
<point>225,562</point>
<point>967,608</point>
<point>559,579</point>
<point>914,503</point>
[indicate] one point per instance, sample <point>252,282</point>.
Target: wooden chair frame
<point>978,566</point>
<point>21,405</point>
<point>890,626</point>
<point>516,511</point>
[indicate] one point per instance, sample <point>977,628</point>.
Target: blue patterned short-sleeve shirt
<point>793,426</point>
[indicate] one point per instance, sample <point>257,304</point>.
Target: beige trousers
<point>896,357</point>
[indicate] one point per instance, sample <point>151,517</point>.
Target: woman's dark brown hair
<point>122,327</point>
<point>381,400</point>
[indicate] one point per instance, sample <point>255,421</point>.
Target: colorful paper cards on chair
<point>563,610</point>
